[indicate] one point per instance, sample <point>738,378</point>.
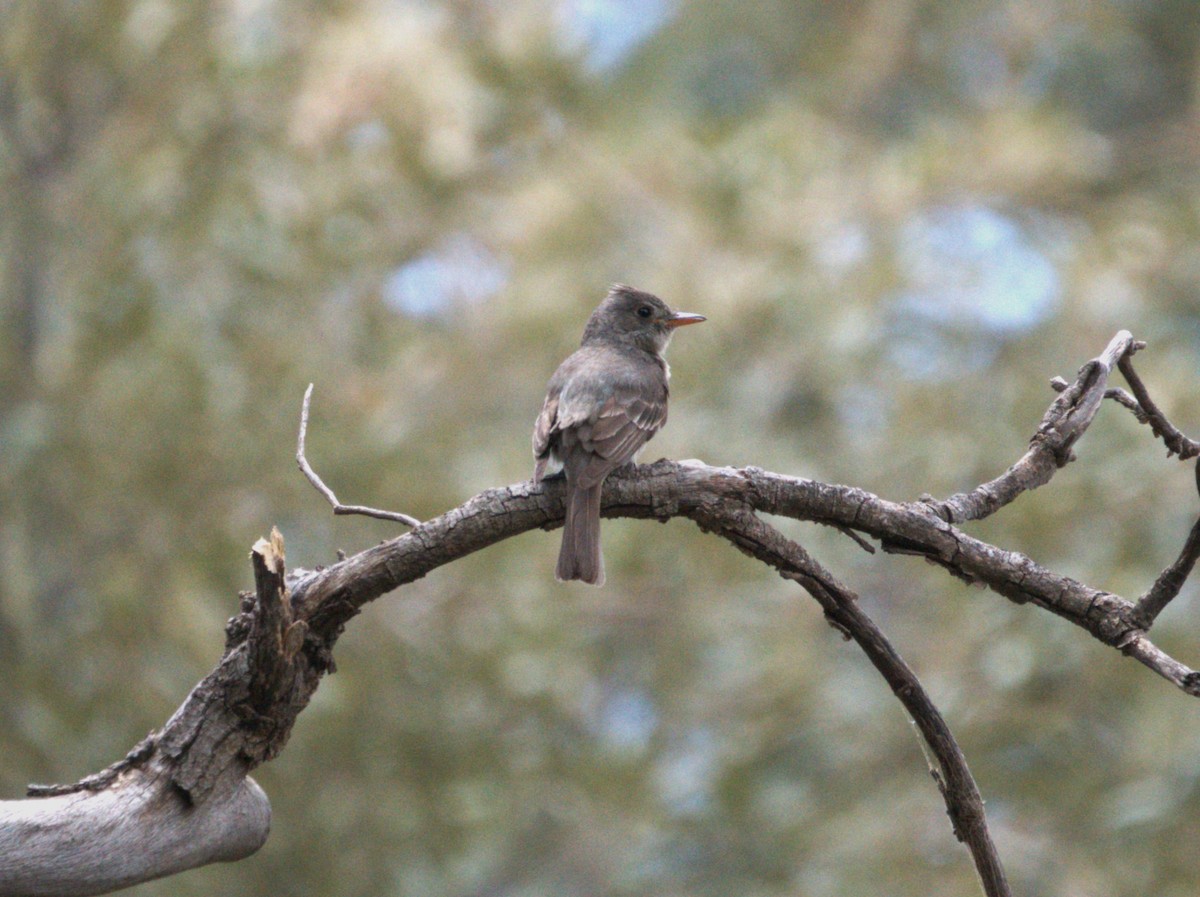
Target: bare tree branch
<point>1141,649</point>
<point>183,797</point>
<point>1064,422</point>
<point>318,483</point>
<point>136,829</point>
<point>228,725</point>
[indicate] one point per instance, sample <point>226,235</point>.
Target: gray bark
<point>138,828</point>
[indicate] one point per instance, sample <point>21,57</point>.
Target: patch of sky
<point>460,271</point>
<point>1114,78</point>
<point>864,409</point>
<point>627,719</point>
<point>972,278</point>
<point>252,33</point>
<point>368,135</point>
<point>730,78</point>
<point>980,68</point>
<point>685,774</point>
<point>608,31</point>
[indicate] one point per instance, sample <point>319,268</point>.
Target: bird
<point>605,402</point>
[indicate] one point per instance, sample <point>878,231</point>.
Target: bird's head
<point>633,317</point>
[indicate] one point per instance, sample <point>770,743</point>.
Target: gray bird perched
<point>602,405</point>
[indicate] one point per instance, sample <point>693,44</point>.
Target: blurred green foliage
<point>901,217</point>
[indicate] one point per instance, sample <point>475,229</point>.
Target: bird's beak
<point>680,318</point>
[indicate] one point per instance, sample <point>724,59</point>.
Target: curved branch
<point>182,797</point>
<point>964,803</point>
<point>668,489</point>
<point>281,644</point>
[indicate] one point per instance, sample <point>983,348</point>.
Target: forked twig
<point>319,485</point>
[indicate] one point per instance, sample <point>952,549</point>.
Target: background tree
<point>899,217</point>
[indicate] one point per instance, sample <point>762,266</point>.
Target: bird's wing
<point>544,429</point>
<point>614,432</point>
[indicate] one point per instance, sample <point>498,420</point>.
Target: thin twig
<point>1169,582</point>
<point>964,803</point>
<point>856,538</point>
<point>319,485</point>
<point>1176,442</point>
<point>1144,651</point>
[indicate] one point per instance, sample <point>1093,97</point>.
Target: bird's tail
<point>579,557</point>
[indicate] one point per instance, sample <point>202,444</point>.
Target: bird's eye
<point>645,311</point>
